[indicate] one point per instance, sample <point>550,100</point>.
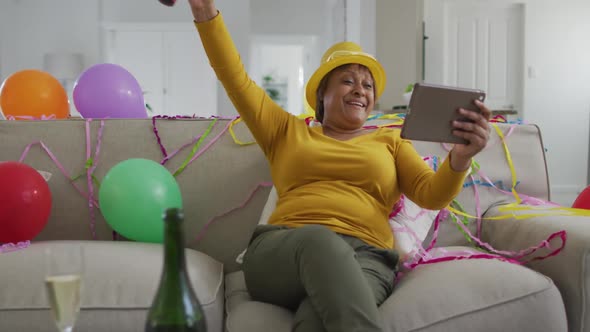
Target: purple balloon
<point>108,91</point>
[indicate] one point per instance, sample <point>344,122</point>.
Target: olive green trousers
<point>332,282</point>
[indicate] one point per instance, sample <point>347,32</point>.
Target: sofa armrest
<point>568,269</point>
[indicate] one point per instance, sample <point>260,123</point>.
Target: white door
<point>477,45</point>
<point>170,65</point>
<point>191,84</point>
<point>281,65</point>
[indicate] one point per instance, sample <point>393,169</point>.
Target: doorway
<point>168,62</point>
<point>477,45</point>
<point>281,64</point>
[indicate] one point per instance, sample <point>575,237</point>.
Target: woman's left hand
<point>476,132</point>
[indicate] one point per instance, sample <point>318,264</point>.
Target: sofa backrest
<point>224,182</point>
<point>524,145</point>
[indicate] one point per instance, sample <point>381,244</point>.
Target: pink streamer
<point>508,256</point>
<point>57,163</point>
<point>201,234</point>
<point>158,139</point>
<point>442,215</point>
<point>477,206</point>
<point>397,208</point>
<point>522,253</point>
<point>207,146</point>
<point>90,171</point>
<point>92,203</point>
<point>461,257</point>
<point>171,155</point>
<point>177,117</point>
<point>510,131</point>
<point>10,247</point>
<point>417,250</point>
<point>156,132</point>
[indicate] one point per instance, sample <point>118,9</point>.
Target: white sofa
<point>121,276</point>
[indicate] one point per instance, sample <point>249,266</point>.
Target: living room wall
<point>558,97</point>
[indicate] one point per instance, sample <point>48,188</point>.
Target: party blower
<point>168,3</point>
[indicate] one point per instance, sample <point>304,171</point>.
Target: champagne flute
<point>63,279</point>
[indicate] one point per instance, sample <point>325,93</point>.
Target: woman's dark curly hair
<point>319,104</point>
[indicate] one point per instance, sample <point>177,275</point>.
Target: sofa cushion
<point>465,295</point>
<point>245,315</point>
<point>119,282</point>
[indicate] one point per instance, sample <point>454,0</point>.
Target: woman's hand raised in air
<point>203,10</point>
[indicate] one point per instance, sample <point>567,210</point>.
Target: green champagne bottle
<point>175,306</point>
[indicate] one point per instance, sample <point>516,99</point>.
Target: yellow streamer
<point>560,211</point>
<point>510,163</point>
<point>557,211</point>
<point>460,213</point>
<point>395,123</point>
<point>233,134</point>
<point>514,207</point>
<point>393,116</point>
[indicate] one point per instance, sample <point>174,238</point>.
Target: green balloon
<point>133,197</point>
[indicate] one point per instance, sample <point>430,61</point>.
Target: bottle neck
<point>174,260</point>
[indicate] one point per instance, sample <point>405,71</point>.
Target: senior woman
<point>327,251</point>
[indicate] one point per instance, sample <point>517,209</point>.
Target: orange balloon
<point>33,94</point>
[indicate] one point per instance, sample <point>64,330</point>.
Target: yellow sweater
<point>347,186</point>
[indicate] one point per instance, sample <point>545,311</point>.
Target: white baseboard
<point>567,189</point>
<point>565,195</point>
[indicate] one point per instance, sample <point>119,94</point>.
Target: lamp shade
<point>63,66</point>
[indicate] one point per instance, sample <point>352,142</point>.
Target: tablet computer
<point>432,110</point>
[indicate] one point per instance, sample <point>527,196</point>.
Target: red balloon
<point>25,202</point>
<point>583,200</point>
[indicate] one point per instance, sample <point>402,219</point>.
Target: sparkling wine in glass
<point>63,283</point>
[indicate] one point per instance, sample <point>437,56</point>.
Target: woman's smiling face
<point>349,97</point>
